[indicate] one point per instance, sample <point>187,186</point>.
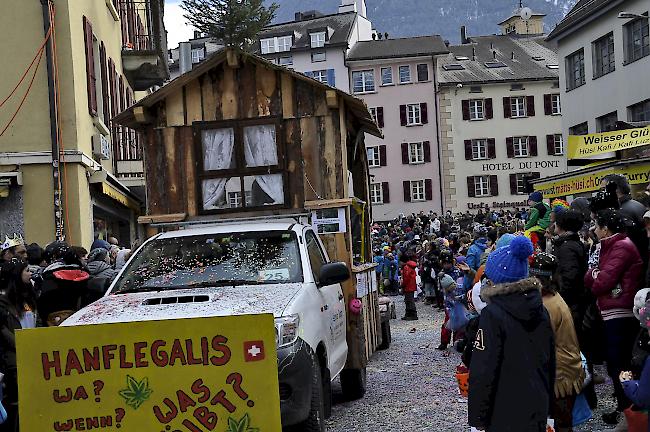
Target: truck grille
<point>175,300</point>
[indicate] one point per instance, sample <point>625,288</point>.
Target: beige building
<point>500,118</point>
<point>65,169</point>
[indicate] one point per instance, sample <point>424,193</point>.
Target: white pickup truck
<point>248,267</point>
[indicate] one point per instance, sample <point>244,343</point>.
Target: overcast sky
<point>175,24</point>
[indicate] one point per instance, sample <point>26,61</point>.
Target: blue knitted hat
<point>509,263</point>
<point>536,197</point>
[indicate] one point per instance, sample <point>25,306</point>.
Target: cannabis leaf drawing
<point>136,392</point>
<point>241,425</point>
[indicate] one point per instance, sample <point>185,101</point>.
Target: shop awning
<point>110,186</point>
<point>588,179</point>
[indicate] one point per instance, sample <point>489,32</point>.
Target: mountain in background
<point>404,18</point>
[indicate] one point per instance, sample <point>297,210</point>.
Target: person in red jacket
<point>615,282</point>
<point>409,287</point>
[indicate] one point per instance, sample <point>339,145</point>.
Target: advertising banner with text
<point>580,183</point>
<point>189,375</point>
<point>585,146</point>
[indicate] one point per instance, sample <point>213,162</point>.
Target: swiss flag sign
<point>254,351</point>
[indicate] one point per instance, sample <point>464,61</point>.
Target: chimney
<point>298,16</point>
<point>473,53</point>
<point>463,35</point>
<point>197,34</point>
<point>494,55</point>
<point>185,57</point>
<point>374,36</point>
<point>513,55</point>
<point>386,35</point>
<point>358,6</point>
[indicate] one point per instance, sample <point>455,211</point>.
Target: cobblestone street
<point>411,386</point>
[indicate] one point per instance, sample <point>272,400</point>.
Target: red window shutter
<point>427,151</point>
<point>380,117</point>
<point>382,155</point>
<point>492,148</point>
<point>548,104</point>
<point>494,185</point>
<point>550,145</point>
<point>513,184</point>
<point>530,106</point>
<point>405,153</point>
<point>90,67</point>
<point>428,189</point>
<point>402,114</point>
<point>465,104</point>
<point>510,147</point>
<point>468,150</point>
<point>104,80</point>
<point>386,192</point>
<point>506,107</point>
<point>424,113</point>
<point>407,190</point>
<point>532,145</point>
<point>471,187</point>
<point>489,110</point>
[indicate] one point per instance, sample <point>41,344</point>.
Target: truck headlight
<point>286,330</point>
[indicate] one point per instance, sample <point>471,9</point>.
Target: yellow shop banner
<point>189,375</point>
<point>585,146</point>
<point>580,183</point>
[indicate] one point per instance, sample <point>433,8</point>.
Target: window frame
<point>315,59</point>
<point>381,73</point>
<point>318,40</point>
<point>276,44</point>
<point>573,128</point>
<point>558,144</point>
<point>416,153</point>
<point>415,190</point>
<point>315,271</point>
<point>240,170</point>
<point>476,145</point>
<point>289,63</point>
<point>474,105</point>
<point>521,143</point>
<point>410,78</point>
<point>417,72</point>
<point>322,73</point>
<point>603,62</point>
<point>373,113</point>
<point>417,115</point>
<point>644,109</point>
<point>514,107</point>
<point>521,183</point>
<point>376,157</point>
<point>601,122</point>
<point>380,194</point>
<point>574,61</point>
<point>556,99</point>
<point>200,55</point>
<point>478,186</point>
<point>364,81</point>
<point>628,33</point>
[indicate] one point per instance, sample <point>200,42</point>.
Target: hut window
<point>241,167</point>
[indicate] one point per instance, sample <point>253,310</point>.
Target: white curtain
<point>218,146</point>
<point>214,193</point>
<point>261,150</point>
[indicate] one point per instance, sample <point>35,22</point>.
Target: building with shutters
<point>500,118</point>
<point>604,64</point>
<point>65,168</point>
<point>396,79</point>
<point>316,44</point>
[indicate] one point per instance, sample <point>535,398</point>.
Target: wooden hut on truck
<point>241,137</point>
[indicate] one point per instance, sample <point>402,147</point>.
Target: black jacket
<point>9,323</point>
<point>512,371</point>
<point>572,266</point>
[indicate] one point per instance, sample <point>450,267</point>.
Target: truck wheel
<point>316,420</point>
<point>386,336</point>
<point>353,383</point>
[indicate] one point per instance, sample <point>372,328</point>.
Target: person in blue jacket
<point>477,248</point>
<point>638,390</point>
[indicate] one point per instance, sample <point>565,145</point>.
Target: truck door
<point>333,306</point>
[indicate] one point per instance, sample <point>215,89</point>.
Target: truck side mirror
<point>333,273</point>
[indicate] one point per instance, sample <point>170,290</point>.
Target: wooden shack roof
<point>354,104</point>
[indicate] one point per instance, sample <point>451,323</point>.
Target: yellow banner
<point>190,375</point>
<point>585,146</point>
<point>636,174</point>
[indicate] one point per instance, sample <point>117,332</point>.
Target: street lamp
<point>630,15</point>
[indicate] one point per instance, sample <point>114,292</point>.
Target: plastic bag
<point>458,317</point>
<point>637,421</point>
<point>581,411</point>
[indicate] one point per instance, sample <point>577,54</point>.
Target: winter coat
<point>101,269</point>
<point>634,210</point>
<point>638,391</point>
<point>572,266</point>
<point>429,263</point>
<point>539,218</point>
<point>620,267</point>
<point>9,323</point>
<point>475,253</point>
<point>512,371</point>
<point>408,277</point>
<point>569,374</point>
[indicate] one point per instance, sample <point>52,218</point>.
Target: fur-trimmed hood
<point>522,300</point>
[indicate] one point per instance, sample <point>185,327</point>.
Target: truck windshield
<point>250,258</point>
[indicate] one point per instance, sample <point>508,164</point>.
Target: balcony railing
<point>144,42</point>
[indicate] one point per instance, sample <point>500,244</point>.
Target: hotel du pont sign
<point>523,165</point>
